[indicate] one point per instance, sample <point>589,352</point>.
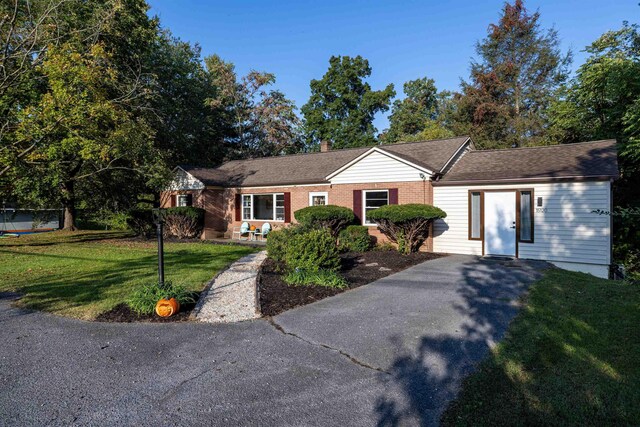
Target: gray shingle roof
<point>315,167</point>
<point>597,159</point>
<point>432,155</point>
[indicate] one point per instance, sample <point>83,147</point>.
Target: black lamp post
<point>157,214</point>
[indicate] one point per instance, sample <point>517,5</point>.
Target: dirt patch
<point>358,268</point>
<point>122,313</point>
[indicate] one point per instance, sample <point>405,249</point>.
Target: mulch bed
<point>276,296</point>
<point>122,313</point>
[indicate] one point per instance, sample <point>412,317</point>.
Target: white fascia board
<point>253,187</point>
<point>383,152</point>
<point>462,146</point>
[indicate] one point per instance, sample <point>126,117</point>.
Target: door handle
<point>513,226</point>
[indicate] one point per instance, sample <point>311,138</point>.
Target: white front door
<point>500,223</point>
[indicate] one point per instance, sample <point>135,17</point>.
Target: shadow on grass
<point>62,237</point>
<point>570,359</point>
<point>64,281</point>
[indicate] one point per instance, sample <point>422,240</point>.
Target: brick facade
<point>220,217</point>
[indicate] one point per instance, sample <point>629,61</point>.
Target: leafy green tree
<point>342,105</point>
<point>26,29</point>
<point>187,130</point>
<point>602,102</point>
<point>506,100</point>
<point>94,133</point>
<point>594,104</point>
<point>81,118</point>
<point>99,103</point>
<point>416,117</point>
<point>431,129</point>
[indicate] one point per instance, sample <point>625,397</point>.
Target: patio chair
<point>243,229</point>
<point>266,228</point>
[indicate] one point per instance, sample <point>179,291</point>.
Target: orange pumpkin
<point>252,228</point>
<point>167,307</point>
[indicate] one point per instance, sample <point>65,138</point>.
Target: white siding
<point>377,167</point>
<point>566,231</point>
<point>183,180</point>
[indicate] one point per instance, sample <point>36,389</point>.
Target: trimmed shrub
<point>385,247</point>
<point>143,300</point>
<point>324,278</point>
<point>406,225</point>
<point>333,218</point>
<point>184,222</point>
<point>140,221</point>
<point>355,238</point>
<point>312,250</point>
<point>278,240</point>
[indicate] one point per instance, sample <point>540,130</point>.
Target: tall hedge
<point>406,225</point>
<point>183,222</point>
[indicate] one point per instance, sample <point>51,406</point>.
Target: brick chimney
<point>325,146</point>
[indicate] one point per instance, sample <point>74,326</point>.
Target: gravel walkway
<point>232,295</point>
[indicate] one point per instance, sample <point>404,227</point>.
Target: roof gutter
<point>499,181</point>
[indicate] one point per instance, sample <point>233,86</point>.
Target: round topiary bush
<point>355,238</point>
<point>406,225</point>
<point>334,218</point>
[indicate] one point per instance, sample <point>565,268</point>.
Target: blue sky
<point>402,40</point>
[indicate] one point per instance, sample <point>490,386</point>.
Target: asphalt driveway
<point>389,353</point>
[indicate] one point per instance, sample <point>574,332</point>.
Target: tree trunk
<point>69,205</point>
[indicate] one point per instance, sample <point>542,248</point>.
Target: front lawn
<point>80,274</point>
<point>570,358</point>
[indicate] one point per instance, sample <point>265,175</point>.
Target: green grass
<point>80,274</point>
<point>572,357</point>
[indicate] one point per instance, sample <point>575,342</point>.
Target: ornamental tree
<point>331,217</point>
<point>406,225</point>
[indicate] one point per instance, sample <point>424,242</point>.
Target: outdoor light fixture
<point>422,176</point>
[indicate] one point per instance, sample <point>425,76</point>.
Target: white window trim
<point>179,197</point>
<point>253,204</point>
<point>313,194</point>
<point>364,205</point>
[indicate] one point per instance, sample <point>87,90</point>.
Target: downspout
<point>436,177</point>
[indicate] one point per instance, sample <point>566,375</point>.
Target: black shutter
<point>357,205</point>
<point>238,207</point>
